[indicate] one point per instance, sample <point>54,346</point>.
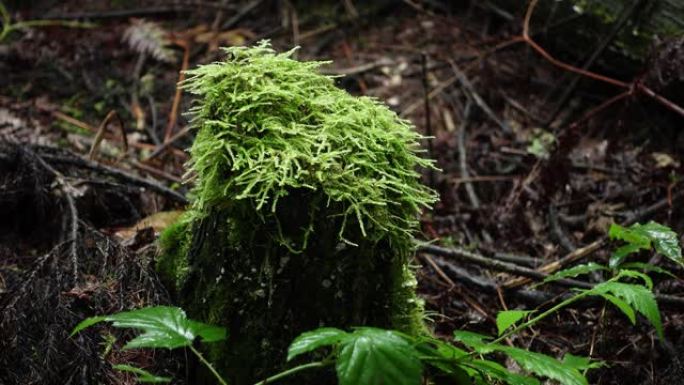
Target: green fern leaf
<point>545,366</point>
<point>575,271</point>
<point>638,297</point>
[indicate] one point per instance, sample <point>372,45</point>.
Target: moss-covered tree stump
<point>304,205</point>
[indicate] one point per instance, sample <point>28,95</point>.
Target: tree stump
<point>303,210</point>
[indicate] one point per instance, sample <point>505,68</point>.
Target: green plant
<point>163,327</point>
<point>8,27</point>
<point>364,356</point>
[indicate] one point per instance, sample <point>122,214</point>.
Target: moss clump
<point>173,267</point>
<point>304,205</point>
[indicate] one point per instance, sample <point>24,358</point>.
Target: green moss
<point>172,265</point>
<point>303,210</point>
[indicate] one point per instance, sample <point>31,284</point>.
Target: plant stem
<point>310,365</point>
<point>208,365</point>
<point>5,21</point>
<point>543,315</point>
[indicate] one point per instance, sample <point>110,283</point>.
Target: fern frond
<point>149,38</point>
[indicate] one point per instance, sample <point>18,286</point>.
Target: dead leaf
<point>157,221</point>
<point>664,160</point>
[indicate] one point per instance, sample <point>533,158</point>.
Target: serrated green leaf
<point>638,236</point>
<point>575,271</point>
<point>581,363</point>
<point>629,235</point>
<point>444,357</point>
<point>648,268</point>
<point>162,326</point>
<point>475,341</point>
<point>371,356</point>
<point>545,366</point>
<point>86,323</point>
<point>648,282</point>
<point>495,371</point>
<point>638,297</point>
<point>141,374</point>
<point>622,305</point>
<point>313,340</point>
<point>665,240</point>
<point>622,252</point>
<point>504,319</point>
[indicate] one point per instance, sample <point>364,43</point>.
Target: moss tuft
<point>269,125</point>
<point>173,264</point>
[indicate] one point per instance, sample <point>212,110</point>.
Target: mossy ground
<point>304,206</point>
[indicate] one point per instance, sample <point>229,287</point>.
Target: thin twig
<point>470,90</point>
<point>101,131</point>
<point>630,87</point>
<point>428,115</point>
<point>463,156</point>
<point>241,14</point>
<point>173,115</point>
<point>480,260</point>
<point>162,148</point>
<point>625,16</point>
<point>117,173</point>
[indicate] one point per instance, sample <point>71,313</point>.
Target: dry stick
<point>557,230</point>
<point>161,148</point>
<point>170,7</point>
<point>117,173</point>
<point>173,115</point>
<point>156,172</point>
<point>586,250</point>
<point>241,14</point>
<point>62,116</point>
<point>101,131</point>
<point>626,15</point>
<point>630,87</point>
<point>462,156</point>
<point>436,91</point>
<point>480,260</point>
<point>468,87</point>
<point>359,69</point>
<point>467,298</point>
<point>514,195</point>
<point>428,115</point>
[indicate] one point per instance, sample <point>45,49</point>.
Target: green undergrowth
<point>304,204</point>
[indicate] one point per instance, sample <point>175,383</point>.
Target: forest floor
<point>528,175</point>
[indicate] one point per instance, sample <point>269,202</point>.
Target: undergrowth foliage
<point>269,125</point>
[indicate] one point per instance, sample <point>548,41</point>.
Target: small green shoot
<point>141,374</point>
